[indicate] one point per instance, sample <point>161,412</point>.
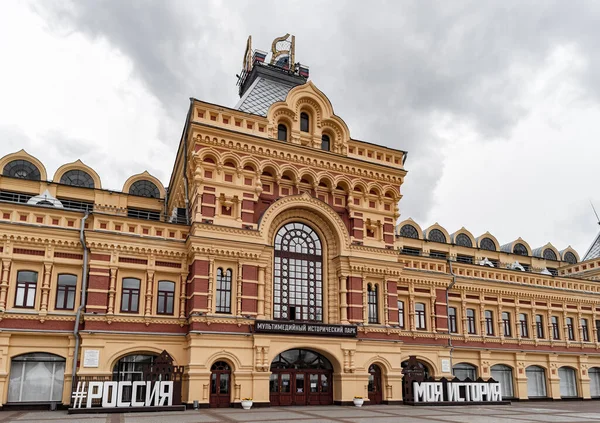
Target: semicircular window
<point>144,188</point>
<point>549,254</point>
<point>463,240</point>
<point>22,169</point>
<point>77,178</point>
<point>409,231</point>
<point>487,244</point>
<point>570,257</point>
<point>520,249</point>
<point>437,236</point>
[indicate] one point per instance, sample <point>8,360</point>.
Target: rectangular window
<point>143,214</point>
<point>452,320</point>
<point>506,324</point>
<point>26,287</point>
<point>539,324</point>
<point>437,254</point>
<point>570,330</point>
<point>598,330</point>
<point>401,314</point>
<point>555,328</point>
<point>372,300</point>
<point>166,296</point>
<point>489,323</point>
<point>523,329</point>
<point>65,292</point>
<point>224,291</point>
<point>585,333</point>
<point>420,316</point>
<point>471,321</point>
<point>464,259</point>
<point>411,251</point>
<point>130,295</point>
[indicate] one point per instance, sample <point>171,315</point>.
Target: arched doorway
<point>132,368</point>
<point>503,374</point>
<point>375,385</point>
<point>301,377</point>
<point>568,382</point>
<point>36,377</point>
<point>536,382</point>
<point>220,385</point>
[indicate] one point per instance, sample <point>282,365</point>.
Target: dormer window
<point>304,123</point>
<point>22,169</point>
<point>144,188</point>
<point>282,132</point>
<point>325,143</point>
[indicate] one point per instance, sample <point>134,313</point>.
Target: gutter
<point>84,282</point>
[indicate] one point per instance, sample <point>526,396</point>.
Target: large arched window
<point>463,240</point>
<point>436,235</point>
<point>298,285</point>
<point>570,257</point>
<point>36,377</point>
<point>568,382</point>
<point>549,254</point>
<point>282,132</point>
<point>487,244</point>
<point>409,231</point>
<point>424,366</point>
<point>132,368</point>
<point>464,370</point>
<point>520,249</point>
<point>536,382</point>
<point>144,188</point>
<point>503,374</point>
<point>22,169</point>
<point>77,178</point>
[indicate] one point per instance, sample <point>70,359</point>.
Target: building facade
<point>273,268</point>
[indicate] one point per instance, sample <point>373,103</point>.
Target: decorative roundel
<point>437,236</point>
<point>463,240</point>
<point>144,188</point>
<point>77,178</point>
<point>570,257</point>
<point>549,254</point>
<point>487,244</point>
<point>409,231</point>
<point>520,249</point>
<point>22,169</point>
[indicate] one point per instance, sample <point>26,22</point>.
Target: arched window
<point>523,326</point>
<point>298,285</point>
<point>549,254</point>
<point>131,368</point>
<point>506,324</point>
<point>570,257</point>
<point>437,236</point>
<point>65,292</point>
<point>223,291</point>
<point>282,132</point>
<point>372,300</point>
<point>555,328</point>
<point>77,178</point>
<point>536,382</point>
<point>401,314</point>
<point>568,382</point>
<point>166,296</point>
<point>471,326</point>
<point>22,169</point>
<point>520,249</point>
<point>489,323</point>
<point>487,244</point>
<point>409,231</point>
<point>420,323</point>
<point>144,188</point>
<point>304,122</point>
<point>463,240</point>
<point>503,374</point>
<point>26,288</point>
<point>464,370</point>
<point>594,374</point>
<point>452,327</point>
<point>425,367</point>
<point>36,378</point>
<point>130,295</point>
<point>325,143</point>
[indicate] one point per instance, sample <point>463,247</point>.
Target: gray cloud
<point>391,69</point>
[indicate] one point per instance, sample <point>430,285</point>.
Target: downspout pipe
<point>84,282</point>
<point>448,288</point>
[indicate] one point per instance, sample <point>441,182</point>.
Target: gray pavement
<point>522,412</point>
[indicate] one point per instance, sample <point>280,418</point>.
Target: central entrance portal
<point>301,377</point>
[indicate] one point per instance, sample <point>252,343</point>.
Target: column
<point>112,290</point>
<point>261,293</point>
<point>343,299</point>
<point>239,290</point>
<point>211,276</point>
<point>45,287</point>
<point>149,289</point>
<point>182,294</point>
<point>4,283</point>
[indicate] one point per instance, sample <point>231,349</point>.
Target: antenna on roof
<point>593,208</point>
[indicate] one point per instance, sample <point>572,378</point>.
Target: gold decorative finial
<point>281,46</point>
<point>247,65</point>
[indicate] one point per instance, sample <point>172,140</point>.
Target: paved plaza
<point>532,412</point>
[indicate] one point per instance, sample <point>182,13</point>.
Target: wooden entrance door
<point>375,384</point>
<point>220,385</point>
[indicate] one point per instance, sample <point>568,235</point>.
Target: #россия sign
<point>299,328</point>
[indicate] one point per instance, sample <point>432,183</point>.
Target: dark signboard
<point>301,328</point>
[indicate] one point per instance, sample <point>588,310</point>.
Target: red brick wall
<point>355,299</point>
<point>249,289</point>
<point>197,286</point>
<point>392,299</point>
<point>441,320</point>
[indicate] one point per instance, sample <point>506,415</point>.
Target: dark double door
<point>375,385</point>
<point>220,385</point>
<point>301,387</point>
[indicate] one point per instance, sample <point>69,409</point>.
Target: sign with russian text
<point>449,391</point>
<point>301,328</point>
<point>123,394</point>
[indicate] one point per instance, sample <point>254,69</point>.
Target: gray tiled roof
<point>262,94</point>
<point>594,250</point>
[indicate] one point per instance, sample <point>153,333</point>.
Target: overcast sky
<point>497,103</point>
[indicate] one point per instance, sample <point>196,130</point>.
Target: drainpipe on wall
<point>84,282</point>
<point>448,288</point>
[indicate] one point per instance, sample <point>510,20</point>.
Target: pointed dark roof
<point>263,92</point>
<point>594,250</point>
